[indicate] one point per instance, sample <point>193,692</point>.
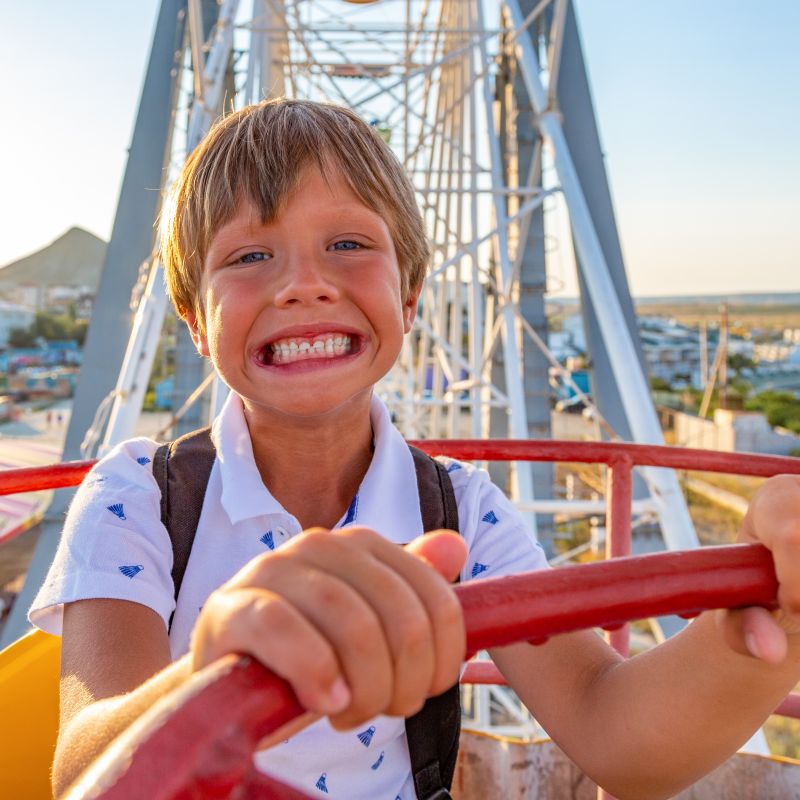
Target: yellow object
<point>29,674</point>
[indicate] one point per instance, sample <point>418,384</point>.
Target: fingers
<point>754,632</point>
<point>773,519</point>
<point>368,654</point>
<point>358,625</point>
<point>786,555</point>
<point>235,622</point>
<point>445,551</point>
<point>420,617</point>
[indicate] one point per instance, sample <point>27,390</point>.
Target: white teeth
<point>292,350</point>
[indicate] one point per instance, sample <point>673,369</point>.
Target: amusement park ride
<point>487,104</point>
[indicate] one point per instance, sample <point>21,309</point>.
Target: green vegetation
<point>50,327</point>
<point>780,408</point>
<point>660,385</point>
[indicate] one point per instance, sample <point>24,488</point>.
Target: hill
<point>74,259</point>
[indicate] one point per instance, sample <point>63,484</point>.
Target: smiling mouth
<point>297,348</point>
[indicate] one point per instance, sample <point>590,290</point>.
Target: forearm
<point>91,730</point>
<point>669,716</point>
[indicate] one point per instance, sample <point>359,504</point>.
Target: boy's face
<point>304,314</point>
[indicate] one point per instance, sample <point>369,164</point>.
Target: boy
<point>295,253</point>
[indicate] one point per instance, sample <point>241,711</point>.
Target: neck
<point>313,468</point>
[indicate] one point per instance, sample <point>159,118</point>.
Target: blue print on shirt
<point>379,761</point>
<point>490,517</point>
<point>143,460</point>
<point>117,510</point>
<point>321,783</point>
<point>131,570</point>
<point>268,540</point>
<point>478,568</point>
<point>351,512</point>
<point>365,737</point>
<point>453,467</point>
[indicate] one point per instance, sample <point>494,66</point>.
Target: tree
<point>21,337</point>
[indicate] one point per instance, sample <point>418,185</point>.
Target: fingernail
<point>752,645</point>
<point>338,696</point>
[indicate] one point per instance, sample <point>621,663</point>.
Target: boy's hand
<point>356,624</point>
<point>772,519</point>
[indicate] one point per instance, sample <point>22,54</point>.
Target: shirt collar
<point>388,498</point>
<point>243,492</point>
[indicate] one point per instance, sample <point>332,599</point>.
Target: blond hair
<point>258,154</point>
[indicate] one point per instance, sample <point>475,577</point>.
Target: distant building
<point>775,351</point>
<point>791,335</point>
<point>27,294</point>
<point>734,431</point>
<point>672,350</point>
<point>13,316</point>
<point>58,299</point>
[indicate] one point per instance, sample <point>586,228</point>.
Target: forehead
<point>315,196</point>
<point>318,202</point>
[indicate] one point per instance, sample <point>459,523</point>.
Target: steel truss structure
<point>432,77</point>
<point>467,94</point>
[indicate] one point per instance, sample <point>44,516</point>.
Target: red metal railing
<point>497,611</point>
<point>620,458</point>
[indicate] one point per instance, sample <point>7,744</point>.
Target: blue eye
<point>252,258</point>
<point>346,244</point>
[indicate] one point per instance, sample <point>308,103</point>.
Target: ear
<point>410,308</point>
<point>198,335</point>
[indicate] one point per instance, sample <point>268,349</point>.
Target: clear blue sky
<point>698,103</point>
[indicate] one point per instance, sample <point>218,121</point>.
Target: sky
<point>698,103</point>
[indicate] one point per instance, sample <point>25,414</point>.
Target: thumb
<point>445,551</point>
<point>753,631</point>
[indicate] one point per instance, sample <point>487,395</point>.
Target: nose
<point>306,280</point>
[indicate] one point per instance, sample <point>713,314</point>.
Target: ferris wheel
<point>486,104</point>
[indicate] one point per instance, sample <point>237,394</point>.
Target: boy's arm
<point>648,726</point>
<point>359,626</point>
<point>115,663</point>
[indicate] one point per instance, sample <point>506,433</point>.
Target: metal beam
<point>131,244</point>
<point>626,366</point>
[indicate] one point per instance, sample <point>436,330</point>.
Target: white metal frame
<point>423,70</point>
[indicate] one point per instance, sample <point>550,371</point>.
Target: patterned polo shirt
<point>114,546</point>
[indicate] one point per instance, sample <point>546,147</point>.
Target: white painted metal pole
<point>149,318</point>
<point>138,362</point>
<point>676,524</point>
<point>522,475</point>
<point>205,112</point>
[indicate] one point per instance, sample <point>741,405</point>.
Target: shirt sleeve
<point>499,540</point>
<point>113,544</point>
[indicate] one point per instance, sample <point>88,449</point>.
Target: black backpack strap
<point>182,469</point>
<point>433,732</point>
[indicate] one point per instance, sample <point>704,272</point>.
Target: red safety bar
<point>171,753</point>
<point>162,759</point>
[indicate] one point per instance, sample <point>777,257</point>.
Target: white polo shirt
<point>114,546</point>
